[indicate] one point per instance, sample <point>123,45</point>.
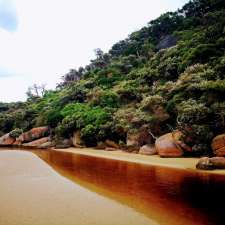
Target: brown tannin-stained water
<point>100,191</point>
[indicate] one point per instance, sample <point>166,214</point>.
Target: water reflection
<point>168,196</point>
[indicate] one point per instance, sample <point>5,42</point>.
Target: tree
<point>72,76</point>
<point>36,91</point>
<point>101,61</point>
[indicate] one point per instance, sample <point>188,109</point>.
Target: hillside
<point>170,75</point>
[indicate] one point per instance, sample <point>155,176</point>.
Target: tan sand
<point>179,163</point>
<point>32,193</point>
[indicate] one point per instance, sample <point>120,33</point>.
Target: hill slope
<point>168,75</point>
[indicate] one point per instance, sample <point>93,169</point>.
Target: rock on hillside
<point>33,134</point>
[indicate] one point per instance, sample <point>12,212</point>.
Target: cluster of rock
<point>207,163</point>
<point>168,145</point>
<point>218,162</point>
<point>36,137</point>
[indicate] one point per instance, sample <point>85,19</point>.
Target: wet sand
<point>45,187</point>
<point>32,193</point>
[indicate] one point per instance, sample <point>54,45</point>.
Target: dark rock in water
<point>147,150</point>
<point>204,164</point>
<point>218,145</point>
<point>167,42</point>
<point>207,163</point>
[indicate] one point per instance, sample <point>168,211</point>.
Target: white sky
<point>53,36</point>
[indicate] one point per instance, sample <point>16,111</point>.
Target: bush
<point>89,120</point>
<point>15,133</point>
<point>89,135</point>
<point>191,112</point>
<point>128,91</point>
<point>193,121</point>
<point>150,103</point>
<point>104,98</point>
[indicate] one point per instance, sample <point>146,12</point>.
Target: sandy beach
<point>31,192</point>
<point>95,187</point>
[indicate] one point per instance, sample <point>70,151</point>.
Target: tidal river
<point>59,188</point>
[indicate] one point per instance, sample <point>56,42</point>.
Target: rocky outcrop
<point>76,139</point>
<point>148,150</point>
<point>65,143</point>
<point>166,146</point>
<point>218,162</point>
<point>7,140</point>
<point>167,42</point>
<point>33,134</point>
<point>107,145</point>
<point>133,140</point>
<point>47,144</point>
<point>207,163</point>
<point>101,145</point>
<point>139,138</point>
<point>218,145</point>
<point>204,164</point>
<point>39,142</point>
<point>111,144</point>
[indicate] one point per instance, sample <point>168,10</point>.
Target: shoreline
<point>155,160</point>
<point>119,155</point>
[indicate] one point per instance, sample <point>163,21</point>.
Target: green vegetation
<point>169,74</point>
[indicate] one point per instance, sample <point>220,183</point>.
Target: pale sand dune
<point>179,163</point>
<point>32,193</point>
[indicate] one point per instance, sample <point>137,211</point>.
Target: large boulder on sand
<point>7,140</point>
<point>206,163</point>
<point>218,162</point>
<point>218,145</point>
<point>76,139</point>
<point>166,146</point>
<point>33,134</point>
<point>65,143</point>
<point>147,150</point>
<point>38,142</point>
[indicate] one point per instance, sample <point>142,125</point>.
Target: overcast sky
<point>40,40</point>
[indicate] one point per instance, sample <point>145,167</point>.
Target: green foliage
<point>193,121</point>
<point>103,98</point>
<point>192,112</point>
<point>85,118</point>
<point>169,73</point>
<point>15,133</point>
<point>128,91</point>
<point>151,102</point>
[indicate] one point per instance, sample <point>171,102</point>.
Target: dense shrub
<point>82,117</point>
<point>15,133</point>
<point>142,80</point>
